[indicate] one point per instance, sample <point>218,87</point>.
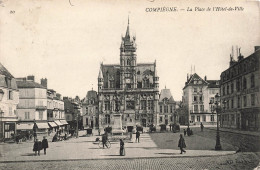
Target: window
<point>10,111</point>
<point>227,104</point>
<point>171,118</point>
<point>150,105</point>
<point>232,88</point>
<point>198,118</point>
<point>143,104</point>
<point>195,108</point>
<point>252,99</point>
<point>166,109</point>
<point>10,95</point>
<point>252,80</point>
<point>245,101</point>
<point>223,91</point>
<point>111,83</point>
<point>238,102</point>
<point>238,85</point>
<point>204,118</point>
<point>232,103</point>
<point>107,105</point>
<point>171,109</point>
<point>107,119</point>
<point>160,118</point>
<point>201,98</point>
<point>27,115</point>
<point>128,62</point>
<point>40,115</point>
<point>200,89</point>
<point>212,118</point>
<point>212,100</point>
<point>227,89</point>
<point>160,109</point>
<point>193,118</point>
<point>202,108</point>
<point>194,98</point>
<point>195,90</point>
<point>244,83</point>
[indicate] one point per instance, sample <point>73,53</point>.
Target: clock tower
<point>128,61</point>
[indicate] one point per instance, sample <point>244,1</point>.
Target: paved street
<point>236,161</point>
<point>155,151</point>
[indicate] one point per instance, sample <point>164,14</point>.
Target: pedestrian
<point>104,140</point>
<point>98,131</point>
<point>188,131</point>
<point>55,138</point>
<point>131,134</point>
<point>37,147</point>
<point>201,127</point>
<point>182,144</point>
<point>184,132</point>
<point>17,136</point>
<point>45,144</point>
<point>137,136</point>
<point>122,148</point>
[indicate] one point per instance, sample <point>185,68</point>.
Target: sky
<point>66,40</point>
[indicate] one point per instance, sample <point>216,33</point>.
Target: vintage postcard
<point>148,84</point>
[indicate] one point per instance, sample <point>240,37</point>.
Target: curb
<point>123,158</point>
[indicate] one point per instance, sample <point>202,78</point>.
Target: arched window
<point>252,80</point>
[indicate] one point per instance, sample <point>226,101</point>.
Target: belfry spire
<point>127,35</point>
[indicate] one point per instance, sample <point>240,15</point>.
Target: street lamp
<point>1,123</point>
<point>216,108</point>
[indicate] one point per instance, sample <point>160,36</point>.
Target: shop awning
<point>58,123</point>
<point>52,124</point>
<point>64,122</point>
<point>25,126</point>
<point>42,125</point>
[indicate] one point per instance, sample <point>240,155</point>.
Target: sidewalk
<point>252,133</point>
<point>85,148</point>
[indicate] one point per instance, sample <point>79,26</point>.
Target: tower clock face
<point>128,80</point>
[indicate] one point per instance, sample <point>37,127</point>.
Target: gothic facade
<point>128,89</point>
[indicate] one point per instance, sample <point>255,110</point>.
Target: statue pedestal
<point>117,126</point>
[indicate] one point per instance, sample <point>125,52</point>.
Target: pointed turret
<point>100,78</point>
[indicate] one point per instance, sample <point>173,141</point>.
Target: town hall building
<point>128,92</point>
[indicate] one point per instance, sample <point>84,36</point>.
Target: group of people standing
<point>39,145</point>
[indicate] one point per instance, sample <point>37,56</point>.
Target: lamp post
<point>1,124</point>
<point>217,97</point>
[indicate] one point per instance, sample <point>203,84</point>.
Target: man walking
<point>201,127</point>
<point>182,144</point>
<point>137,136</point>
<point>45,144</point>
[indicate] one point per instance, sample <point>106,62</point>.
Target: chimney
<point>31,77</point>
<point>205,78</point>
<point>44,82</point>
<point>257,48</point>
